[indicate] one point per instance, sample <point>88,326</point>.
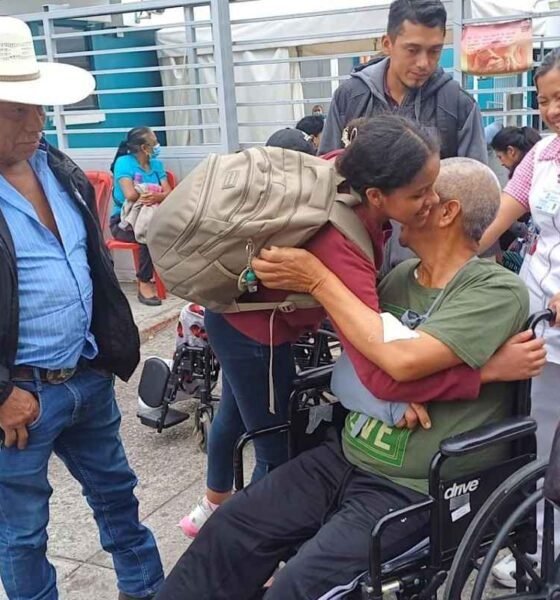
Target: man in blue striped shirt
<point>65,330</point>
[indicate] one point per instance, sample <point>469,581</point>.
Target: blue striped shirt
<point>55,286</point>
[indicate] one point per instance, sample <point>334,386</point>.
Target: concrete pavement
<point>151,319</point>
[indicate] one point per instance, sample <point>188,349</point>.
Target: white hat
<point>24,80</point>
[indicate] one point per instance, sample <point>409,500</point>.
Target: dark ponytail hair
<point>135,139</point>
<point>522,138</point>
<point>387,153</point>
<point>551,61</point>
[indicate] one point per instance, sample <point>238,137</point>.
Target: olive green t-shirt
<point>480,309</point>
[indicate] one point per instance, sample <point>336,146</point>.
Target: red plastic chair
<point>102,183</point>
<point>171,179</point>
<point>133,247</point>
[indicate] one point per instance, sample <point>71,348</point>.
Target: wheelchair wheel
<point>203,423</point>
<point>506,520</point>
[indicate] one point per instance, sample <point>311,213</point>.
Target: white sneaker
<point>191,523</point>
<point>504,571</point>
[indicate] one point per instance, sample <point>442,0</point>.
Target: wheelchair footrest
<point>150,417</point>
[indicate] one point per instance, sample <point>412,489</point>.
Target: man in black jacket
<point>409,81</point>
<point>65,329</point>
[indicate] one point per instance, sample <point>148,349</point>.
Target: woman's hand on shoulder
<point>292,269</point>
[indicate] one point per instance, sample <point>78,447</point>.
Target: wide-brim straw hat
<point>25,80</point>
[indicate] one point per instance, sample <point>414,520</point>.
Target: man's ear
<point>450,211</point>
<point>374,197</point>
<point>386,44</point>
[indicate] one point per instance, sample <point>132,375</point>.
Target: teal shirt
<point>126,167</point>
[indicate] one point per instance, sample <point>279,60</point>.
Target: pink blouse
<point>519,186</point>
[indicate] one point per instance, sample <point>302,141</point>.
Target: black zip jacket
<point>112,322</point>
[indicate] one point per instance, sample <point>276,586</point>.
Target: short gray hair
<point>475,187</point>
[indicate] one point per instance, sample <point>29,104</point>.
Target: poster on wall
<point>497,48</point>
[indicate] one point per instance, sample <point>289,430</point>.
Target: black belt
<point>52,376</point>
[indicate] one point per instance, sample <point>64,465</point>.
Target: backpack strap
<point>290,304</point>
<point>349,224</point>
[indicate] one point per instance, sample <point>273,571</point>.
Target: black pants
<point>145,268</point>
<point>317,502</point>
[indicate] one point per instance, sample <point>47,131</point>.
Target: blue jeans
<point>79,420</point>
<point>244,404</point>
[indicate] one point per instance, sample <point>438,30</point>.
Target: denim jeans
<point>78,421</point>
<point>244,404</point>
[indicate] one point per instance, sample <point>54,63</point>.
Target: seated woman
<point>138,177</point>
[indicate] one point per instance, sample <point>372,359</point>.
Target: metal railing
<point>206,82</point>
<point>142,79</point>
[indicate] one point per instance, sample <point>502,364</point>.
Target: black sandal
<point>153,301</point>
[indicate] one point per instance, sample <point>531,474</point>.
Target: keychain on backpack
<point>248,279</point>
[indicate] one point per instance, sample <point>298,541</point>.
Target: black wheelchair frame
<point>419,575</point>
<point>316,349</point>
<point>530,584</point>
<point>159,384</point>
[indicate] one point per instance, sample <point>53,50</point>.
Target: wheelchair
<point>194,370</point>
<point>471,517</point>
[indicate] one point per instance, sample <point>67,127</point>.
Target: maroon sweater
<point>356,271</point>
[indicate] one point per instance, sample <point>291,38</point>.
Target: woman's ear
<point>374,197</point>
<point>514,153</point>
<point>511,151</point>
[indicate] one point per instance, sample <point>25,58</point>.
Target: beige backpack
<point>203,237</point>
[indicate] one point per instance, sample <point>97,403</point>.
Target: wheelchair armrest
<point>313,378</point>
<point>488,435</point>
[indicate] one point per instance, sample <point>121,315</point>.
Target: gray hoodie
<point>440,103</point>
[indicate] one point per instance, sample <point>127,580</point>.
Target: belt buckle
<point>58,376</point>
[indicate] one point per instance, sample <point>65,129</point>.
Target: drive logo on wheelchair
<point>459,489</point>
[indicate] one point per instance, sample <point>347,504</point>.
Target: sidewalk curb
<point>151,330</point>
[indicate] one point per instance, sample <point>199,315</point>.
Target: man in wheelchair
<point>317,511</point>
